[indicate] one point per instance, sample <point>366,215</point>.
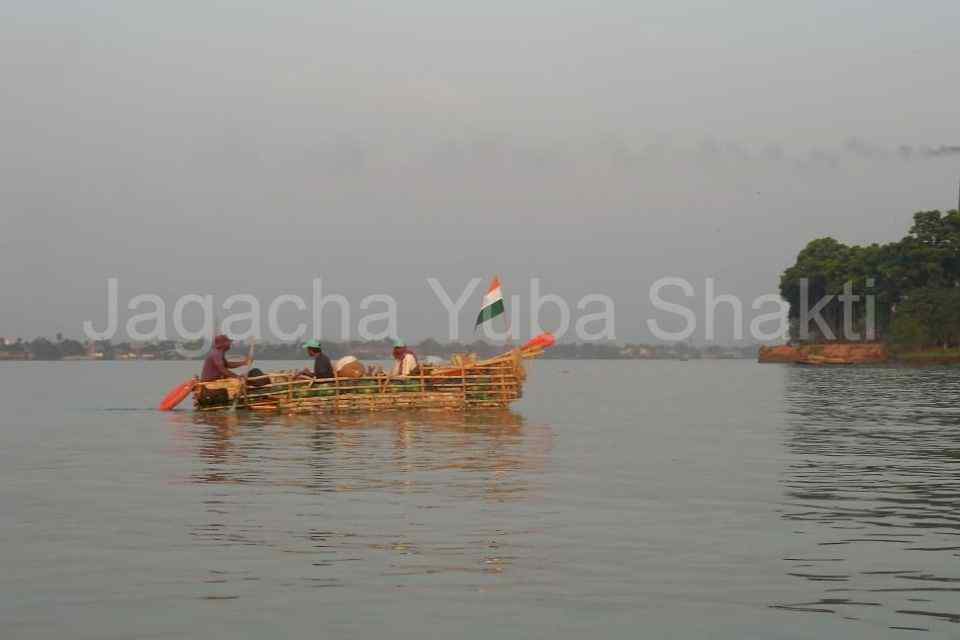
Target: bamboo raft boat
<point>460,385</point>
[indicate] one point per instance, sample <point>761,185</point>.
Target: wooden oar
<point>253,341</point>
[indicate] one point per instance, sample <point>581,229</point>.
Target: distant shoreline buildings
<point>15,349</point>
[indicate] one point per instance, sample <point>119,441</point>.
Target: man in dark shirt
<point>322,367</point>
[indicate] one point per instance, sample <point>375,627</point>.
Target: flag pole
<point>506,316</point>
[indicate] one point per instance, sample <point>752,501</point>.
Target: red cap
<point>222,342</point>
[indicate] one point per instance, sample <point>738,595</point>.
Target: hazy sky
<point>232,147</point>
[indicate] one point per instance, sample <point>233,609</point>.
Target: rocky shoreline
<point>855,353</point>
<point>829,353</point>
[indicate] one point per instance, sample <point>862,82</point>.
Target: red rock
<point>781,353</point>
<point>829,353</point>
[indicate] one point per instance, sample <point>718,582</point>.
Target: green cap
<point>312,344</point>
<point>399,343</point>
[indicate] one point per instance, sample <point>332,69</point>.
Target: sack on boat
<point>463,359</point>
<point>257,378</point>
<point>348,367</point>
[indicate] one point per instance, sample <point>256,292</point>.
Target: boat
<point>462,384</point>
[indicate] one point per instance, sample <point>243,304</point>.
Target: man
<point>322,367</point>
<point>404,360</point>
<point>216,366</point>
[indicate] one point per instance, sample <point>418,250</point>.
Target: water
<point>626,499</point>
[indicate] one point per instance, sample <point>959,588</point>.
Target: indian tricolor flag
<point>492,303</point>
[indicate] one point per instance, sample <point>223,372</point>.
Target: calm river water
<point>627,499</point>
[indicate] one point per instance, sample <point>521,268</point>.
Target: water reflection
<point>365,452</point>
<point>872,493</point>
<point>337,489</point>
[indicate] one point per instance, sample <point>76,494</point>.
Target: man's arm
<point>223,367</point>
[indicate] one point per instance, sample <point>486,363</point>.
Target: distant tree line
<point>915,283</point>
<point>61,348</point>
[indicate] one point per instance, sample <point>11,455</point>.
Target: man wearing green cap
<point>322,367</point>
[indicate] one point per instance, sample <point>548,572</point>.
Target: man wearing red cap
<point>216,366</point>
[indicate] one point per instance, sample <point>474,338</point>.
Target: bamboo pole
<point>336,393</point>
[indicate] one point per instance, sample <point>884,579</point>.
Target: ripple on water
<point>874,455</point>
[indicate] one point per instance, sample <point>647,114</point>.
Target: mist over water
<point>214,149</point>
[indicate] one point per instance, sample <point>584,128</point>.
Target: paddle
<point>253,341</point>
<point>176,395</point>
<point>543,341</point>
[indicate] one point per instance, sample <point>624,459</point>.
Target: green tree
<point>929,316</point>
<point>71,348</point>
<point>43,349</point>
<point>913,278</point>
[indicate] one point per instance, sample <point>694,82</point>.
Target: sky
<point>239,147</point>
